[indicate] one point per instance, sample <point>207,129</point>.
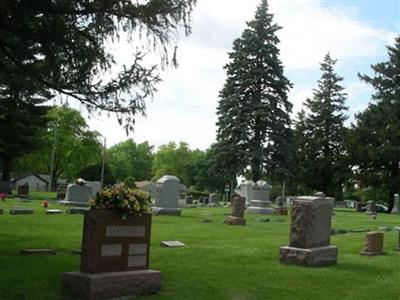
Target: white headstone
<point>245,190</point>
<point>396,204</point>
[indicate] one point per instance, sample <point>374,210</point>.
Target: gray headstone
<point>95,185</point>
<point>245,190</point>
<point>78,193</point>
<point>214,199</point>
<point>189,199</point>
<point>168,192</point>
<point>21,211</point>
<point>396,204</point>
<point>371,208</point>
<point>259,202</point>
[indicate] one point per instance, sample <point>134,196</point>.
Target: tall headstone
<point>245,189</point>
<point>238,208</point>
<point>259,202</point>
<point>371,208</point>
<point>310,232</point>
<point>167,199</point>
<point>373,243</point>
<point>396,204</point>
<point>77,194</point>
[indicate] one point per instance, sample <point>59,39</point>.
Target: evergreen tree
<point>253,111</point>
<point>64,46</point>
<point>374,143</point>
<point>320,133</point>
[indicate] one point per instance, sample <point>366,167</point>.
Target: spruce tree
<point>322,148</point>
<point>374,143</point>
<point>253,111</point>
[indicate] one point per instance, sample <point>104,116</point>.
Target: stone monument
<point>371,208</point>
<point>23,190</point>
<point>373,243</point>
<point>245,189</point>
<point>397,248</point>
<point>167,199</point>
<point>396,204</point>
<point>77,194</point>
<point>310,233</point>
<point>238,207</point>
<point>259,202</point>
<point>114,259</point>
<point>214,199</point>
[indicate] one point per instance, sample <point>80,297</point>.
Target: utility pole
<point>103,163</point>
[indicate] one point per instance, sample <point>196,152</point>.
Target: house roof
<point>30,174</point>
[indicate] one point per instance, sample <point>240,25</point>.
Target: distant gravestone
<point>214,199</point>
<point>21,211</point>
<point>397,248</point>
<point>95,185</point>
<point>167,200</point>
<point>280,201</point>
<point>245,189</point>
<point>38,252</point>
<point>310,232</point>
<point>396,204</point>
<point>359,206</point>
<point>53,211</point>
<point>77,194</point>
<point>373,244</point>
<point>259,202</point>
<point>189,200</point>
<point>238,207</point>
<point>371,208</point>
<point>23,190</point>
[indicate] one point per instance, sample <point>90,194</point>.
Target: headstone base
<point>231,220</point>
<point>163,211</point>
<point>282,211</point>
<point>365,253</point>
<point>260,210</point>
<point>312,257</point>
<point>73,203</point>
<point>111,285</point>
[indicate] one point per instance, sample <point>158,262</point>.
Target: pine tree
<point>253,111</point>
<point>374,143</point>
<point>322,147</point>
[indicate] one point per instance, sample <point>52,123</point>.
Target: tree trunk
<point>7,166</point>
<point>393,185</point>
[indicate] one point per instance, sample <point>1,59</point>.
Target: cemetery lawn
<point>219,261</point>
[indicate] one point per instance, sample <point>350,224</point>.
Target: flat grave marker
<point>53,211</point>
<point>21,211</point>
<point>38,252</point>
<point>172,244</point>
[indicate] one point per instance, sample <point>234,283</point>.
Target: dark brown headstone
<point>23,190</point>
<point>111,244</point>
<point>373,243</point>
<point>238,206</point>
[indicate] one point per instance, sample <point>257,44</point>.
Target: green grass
<point>219,261</point>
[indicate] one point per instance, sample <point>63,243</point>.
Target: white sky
<point>184,109</point>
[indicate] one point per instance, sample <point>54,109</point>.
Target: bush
<point>196,194</point>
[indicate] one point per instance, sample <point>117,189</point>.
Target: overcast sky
<point>184,109</point>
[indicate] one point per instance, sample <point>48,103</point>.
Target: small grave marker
<point>358,230</point>
<point>76,252</point>
<point>38,252</point>
<point>21,211</point>
<point>172,244</point>
<point>53,211</point>
<point>77,210</point>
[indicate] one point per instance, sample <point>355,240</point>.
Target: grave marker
<point>238,207</point>
<point>373,244</point>
<point>310,232</point>
<point>21,211</point>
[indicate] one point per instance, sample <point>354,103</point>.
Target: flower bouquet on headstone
<point>129,201</point>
